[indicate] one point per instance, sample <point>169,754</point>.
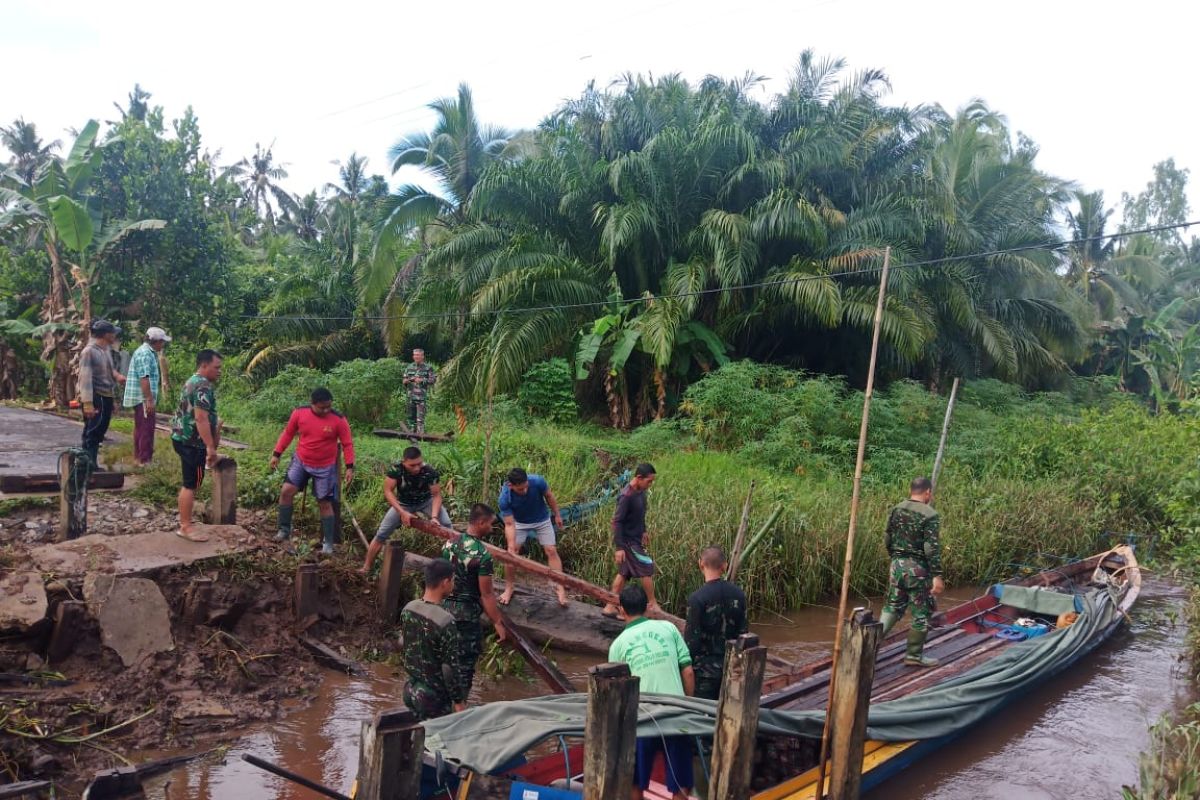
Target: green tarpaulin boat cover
<point>491,736</point>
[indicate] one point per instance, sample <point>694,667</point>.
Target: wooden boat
<point>964,638</point>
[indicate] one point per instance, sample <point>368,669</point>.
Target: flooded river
<point>1076,737</point>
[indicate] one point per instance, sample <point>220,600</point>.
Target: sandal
<point>192,537</point>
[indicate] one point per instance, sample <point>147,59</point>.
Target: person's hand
<point>558,521</point>
<point>645,537</point>
<point>349,475</point>
<point>406,518</point>
<point>501,633</point>
<point>939,585</point>
<point>460,707</point>
<point>149,409</point>
<point>619,556</point>
<point>210,460</point>
<point>273,464</point>
<point>89,412</point>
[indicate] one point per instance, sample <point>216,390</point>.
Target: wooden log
<point>941,451</point>
<point>737,719</point>
<point>306,600</point>
<point>544,667</point>
<point>23,788</point>
<point>120,783</point>
<point>332,658</point>
<point>68,626</point>
<point>223,508</point>
<point>72,496</point>
<point>197,599</point>
<point>48,482</point>
<point>851,699</point>
<point>286,774</point>
<point>572,583</point>
<point>387,433</point>
<point>610,732</point>
<point>389,582</point>
<point>389,765</point>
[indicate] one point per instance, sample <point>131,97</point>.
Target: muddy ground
<point>245,664</point>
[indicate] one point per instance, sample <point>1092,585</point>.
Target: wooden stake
<point>853,528</point>
<point>389,582</point>
<point>610,732</point>
<point>389,759</point>
<point>197,600</point>
<point>941,451</point>
<point>856,673</point>
<point>73,495</point>
<point>737,719</point>
<point>68,625</point>
<point>223,509</point>
<point>306,604</point>
<point>735,558</point>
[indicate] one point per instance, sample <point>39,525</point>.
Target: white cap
<point>157,334</point>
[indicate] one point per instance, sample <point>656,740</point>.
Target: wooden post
<point>853,529</point>
<point>223,508</point>
<point>739,541</point>
<point>389,757</point>
<point>73,494</point>
<point>341,496</point>
<point>610,732</point>
<point>389,582</point>
<point>197,599</point>
<point>941,451</point>
<point>306,591</point>
<point>68,624</point>
<point>856,673</point>
<point>737,719</point>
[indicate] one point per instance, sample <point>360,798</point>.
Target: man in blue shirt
<point>526,504</point>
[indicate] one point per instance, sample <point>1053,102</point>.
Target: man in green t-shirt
<point>195,434</point>
<point>656,653</point>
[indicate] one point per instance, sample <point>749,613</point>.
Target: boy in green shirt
<point>655,651</point>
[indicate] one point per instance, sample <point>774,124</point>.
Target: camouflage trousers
<point>416,414</point>
<point>425,701</point>
<point>909,582</point>
<point>708,681</point>
<point>470,647</point>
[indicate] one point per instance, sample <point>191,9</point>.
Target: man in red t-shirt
<point>321,430</point>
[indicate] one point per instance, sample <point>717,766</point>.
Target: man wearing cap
<point>141,393</point>
<point>97,386</point>
<point>419,378</point>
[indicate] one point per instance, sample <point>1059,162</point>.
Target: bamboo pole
<point>853,528</point>
<point>941,451</point>
<point>739,541</point>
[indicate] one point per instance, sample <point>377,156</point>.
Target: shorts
<point>637,563</point>
<point>325,479</point>
<point>391,520</point>
<point>544,531</point>
<point>192,460</point>
<point>677,754</point>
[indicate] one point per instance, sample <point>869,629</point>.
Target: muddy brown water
<point>1078,736</point>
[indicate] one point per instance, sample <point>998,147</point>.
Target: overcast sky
<point>1106,93</point>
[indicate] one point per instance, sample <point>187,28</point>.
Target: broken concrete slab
<point>133,615</point>
<point>31,440</point>
<point>22,600</point>
<point>194,709</point>
<point>140,552</point>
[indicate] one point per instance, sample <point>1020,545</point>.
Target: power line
<point>741,287</point>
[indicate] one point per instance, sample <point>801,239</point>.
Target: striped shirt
<point>144,364</point>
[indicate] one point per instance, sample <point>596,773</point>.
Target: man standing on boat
<point>657,654</point>
<point>630,537</point>
<point>473,594</point>
<point>916,568</point>
<point>430,648</point>
<point>716,613</point>
<point>419,378</point>
<point>527,506</point>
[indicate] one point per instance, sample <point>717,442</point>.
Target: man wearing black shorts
<point>195,435</point>
<point>630,538</point>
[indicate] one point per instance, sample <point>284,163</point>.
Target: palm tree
<point>258,176</point>
<point>29,153</point>
<point>305,218</point>
<point>1113,280</point>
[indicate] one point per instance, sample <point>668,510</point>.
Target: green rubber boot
<point>889,620</point>
<point>913,656</point>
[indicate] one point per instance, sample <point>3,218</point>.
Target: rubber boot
<point>328,534</point>
<point>916,643</point>
<point>889,620</point>
<point>285,524</point>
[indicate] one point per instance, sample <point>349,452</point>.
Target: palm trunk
<point>56,346</point>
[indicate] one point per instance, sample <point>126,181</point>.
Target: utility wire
<point>740,287</point>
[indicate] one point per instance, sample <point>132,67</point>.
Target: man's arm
<point>487,595</point>
<point>618,519</point>
<point>553,503</point>
<point>85,383</point>
<point>691,628</point>
<point>389,494</point>
<point>147,395</point>
<point>285,438</point>
<point>689,680</point>
<point>204,428</point>
<point>933,552</point>
<point>449,654</point>
<point>346,439</point>
<point>435,507</point>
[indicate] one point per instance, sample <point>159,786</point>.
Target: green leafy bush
<point>547,391</point>
<point>365,389</point>
<point>285,391</point>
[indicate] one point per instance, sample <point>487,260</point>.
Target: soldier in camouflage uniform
<point>431,648</point>
<point>419,378</point>
<point>473,594</point>
<point>716,614</point>
<point>916,569</point>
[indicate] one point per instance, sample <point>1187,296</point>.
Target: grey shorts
<point>391,520</point>
<point>325,479</point>
<point>544,531</point>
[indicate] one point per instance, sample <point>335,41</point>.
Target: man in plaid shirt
<point>141,392</point>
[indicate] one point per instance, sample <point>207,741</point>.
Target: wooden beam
<point>305,604</point>
<point>389,765</point>
<point>610,732</point>
<point>737,719</point>
<point>389,582</point>
<point>332,658</point>
<point>223,508</point>
<point>941,451</point>
<point>739,541</point>
<point>544,667</point>
<point>30,788</point>
<point>197,599</point>
<point>68,626</point>
<point>852,698</point>
<point>48,482</point>
<point>388,433</point>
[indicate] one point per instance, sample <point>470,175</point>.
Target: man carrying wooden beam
<point>526,506</point>
<point>411,487</point>
<point>473,594</point>
<point>716,613</point>
<point>916,568</point>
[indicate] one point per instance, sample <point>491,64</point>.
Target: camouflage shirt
<point>431,649</point>
<point>471,562</point>
<point>419,378</point>
<point>912,532</point>
<point>198,392</point>
<point>716,613</point>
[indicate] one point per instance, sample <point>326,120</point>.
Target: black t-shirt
<point>629,520</point>
<point>413,491</point>
<point>716,614</point>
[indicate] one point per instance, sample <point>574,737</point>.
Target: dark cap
<point>102,327</point>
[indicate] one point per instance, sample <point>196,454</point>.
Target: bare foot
<point>562,598</point>
<point>505,598</point>
<point>609,611</point>
<point>654,608</point>
<point>363,570</point>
